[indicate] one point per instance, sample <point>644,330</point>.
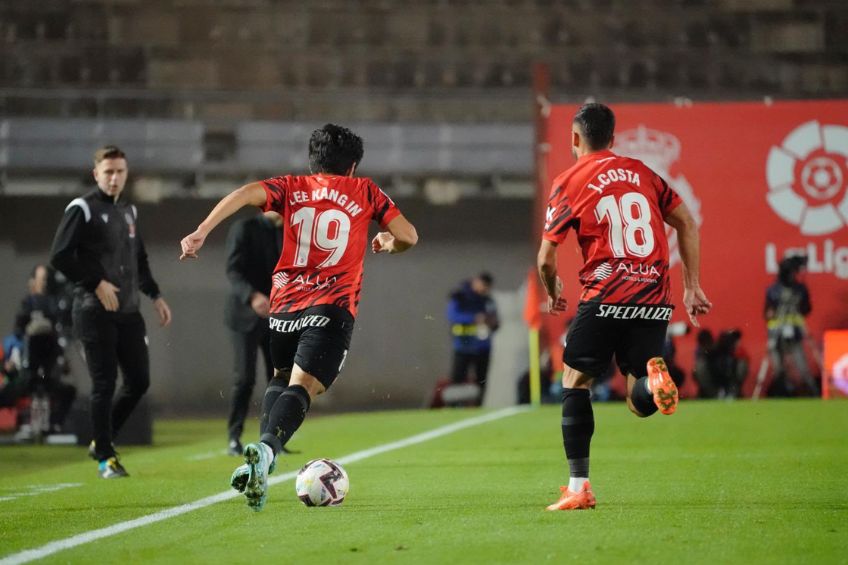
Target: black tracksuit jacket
<point>98,239</point>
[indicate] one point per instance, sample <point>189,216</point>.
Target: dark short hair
<point>486,277</point>
<point>108,152</point>
<point>597,123</point>
<point>334,149</point>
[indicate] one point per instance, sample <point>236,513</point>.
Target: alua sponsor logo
<point>634,312</point>
<point>638,269</point>
<point>602,271</point>
<point>630,270</point>
<point>282,279</point>
<point>288,326</point>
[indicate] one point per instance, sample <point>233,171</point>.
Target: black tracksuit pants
<point>245,346</point>
<point>462,362</point>
<point>113,339</point>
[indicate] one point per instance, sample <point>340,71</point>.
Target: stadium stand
<point>296,61</point>
<point>206,84</point>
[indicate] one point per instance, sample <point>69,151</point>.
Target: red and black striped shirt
<point>617,206</point>
<point>325,235</point>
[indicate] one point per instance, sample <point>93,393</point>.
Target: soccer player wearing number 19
<point>316,284</point>
<point>618,207</point>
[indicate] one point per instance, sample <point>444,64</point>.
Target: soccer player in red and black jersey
<point>316,284</point>
<point>618,208</point>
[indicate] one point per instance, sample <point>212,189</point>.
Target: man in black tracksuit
<point>253,248</point>
<point>98,247</point>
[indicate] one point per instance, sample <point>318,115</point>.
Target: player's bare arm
<point>546,262</point>
<point>249,195</point>
<point>399,237</point>
<point>694,299</point>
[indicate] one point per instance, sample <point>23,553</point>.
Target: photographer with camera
<point>787,305</point>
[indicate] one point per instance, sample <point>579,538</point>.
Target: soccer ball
<point>322,482</point>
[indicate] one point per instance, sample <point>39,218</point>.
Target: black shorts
<point>317,339</point>
<point>633,333</point>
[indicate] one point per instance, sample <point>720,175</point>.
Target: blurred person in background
<point>98,246</point>
<point>253,248</point>
<point>62,292</point>
<point>732,363</point>
<point>43,360</point>
<point>473,317</point>
<point>705,370</point>
<point>787,305</point>
<point>721,364</point>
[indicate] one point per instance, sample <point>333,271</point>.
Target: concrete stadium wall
<point>400,345</point>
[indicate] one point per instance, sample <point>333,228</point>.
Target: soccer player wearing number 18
<point>618,207</point>
<point>315,286</point>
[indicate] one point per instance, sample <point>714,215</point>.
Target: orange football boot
<point>664,389</point>
<point>570,500</point>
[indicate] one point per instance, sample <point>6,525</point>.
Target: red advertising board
<point>762,179</point>
<point>835,381</point>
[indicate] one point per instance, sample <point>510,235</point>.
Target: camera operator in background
<point>787,305</point>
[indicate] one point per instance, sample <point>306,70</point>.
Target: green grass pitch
<point>717,482</point>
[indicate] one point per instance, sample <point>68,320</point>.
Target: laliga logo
<point>807,177</point>
<point>660,151</point>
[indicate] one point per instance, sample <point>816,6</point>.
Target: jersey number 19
<point>328,231</point>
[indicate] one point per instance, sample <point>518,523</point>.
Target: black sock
<point>286,416</point>
<point>578,425</point>
<point>275,388</point>
<point>642,398</point>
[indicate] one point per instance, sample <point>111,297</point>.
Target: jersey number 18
<point>629,221</point>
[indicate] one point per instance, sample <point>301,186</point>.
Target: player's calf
<point>285,417</point>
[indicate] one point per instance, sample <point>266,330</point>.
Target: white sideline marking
<point>35,490</point>
<point>80,539</point>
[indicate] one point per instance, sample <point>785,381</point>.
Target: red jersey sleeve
<point>276,190</point>
<point>668,199</point>
<point>384,208</point>
<point>559,216</point>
